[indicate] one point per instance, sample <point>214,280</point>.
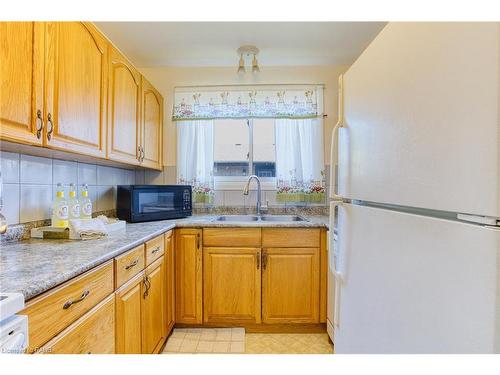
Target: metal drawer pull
<point>155,250</point>
<point>68,304</point>
<point>257,256</point>
<point>134,263</point>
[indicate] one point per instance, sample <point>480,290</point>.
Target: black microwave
<point>135,203</point>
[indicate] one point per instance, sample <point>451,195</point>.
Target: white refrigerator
<point>415,260</point>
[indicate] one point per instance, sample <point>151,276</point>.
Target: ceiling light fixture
<point>248,51</point>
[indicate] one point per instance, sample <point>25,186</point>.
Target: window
<point>244,147</point>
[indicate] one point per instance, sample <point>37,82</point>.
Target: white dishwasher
<point>13,328</point>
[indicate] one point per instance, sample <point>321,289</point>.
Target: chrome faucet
<point>246,190</point>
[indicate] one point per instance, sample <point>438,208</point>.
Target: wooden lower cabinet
<point>53,311</point>
<point>188,276</point>
<point>290,285</point>
<point>93,333</point>
<point>128,316</point>
<point>141,311</point>
<point>170,281</point>
<point>231,285</point>
<point>154,307</point>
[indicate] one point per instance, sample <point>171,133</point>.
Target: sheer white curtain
<point>299,149</point>
<point>195,151</point>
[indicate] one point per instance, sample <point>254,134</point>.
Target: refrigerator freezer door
<point>415,284</point>
<point>421,117</point>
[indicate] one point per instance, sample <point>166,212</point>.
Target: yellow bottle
<point>86,203</point>
<point>60,209</point>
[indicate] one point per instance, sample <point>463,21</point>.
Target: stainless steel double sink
<point>254,218</point>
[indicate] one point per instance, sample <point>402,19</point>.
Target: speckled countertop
<point>34,266</point>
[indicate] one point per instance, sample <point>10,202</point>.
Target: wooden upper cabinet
<point>290,285</point>
<point>153,307</point>
<point>231,285</point>
<point>188,276</point>
<point>124,92</point>
<point>21,79</point>
<point>151,126</point>
<point>76,88</point>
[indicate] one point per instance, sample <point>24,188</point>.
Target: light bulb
<point>241,67</point>
<point>255,65</point>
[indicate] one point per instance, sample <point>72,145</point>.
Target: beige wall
<point>166,78</point>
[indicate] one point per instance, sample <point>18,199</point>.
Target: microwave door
<point>155,201</point>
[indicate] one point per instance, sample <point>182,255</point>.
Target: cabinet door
<point>188,276</point>
<point>21,81</point>
<point>290,285</point>
<point>231,285</point>
<point>76,85</point>
<point>153,307</point>
<point>170,281</point>
<point>128,316</point>
<point>151,126</point>
<point>93,333</point>
<point>123,109</point>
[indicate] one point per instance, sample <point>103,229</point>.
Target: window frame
<point>235,182</point>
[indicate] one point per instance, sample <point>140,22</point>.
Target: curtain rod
<point>252,84</point>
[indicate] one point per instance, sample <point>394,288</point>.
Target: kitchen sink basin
<point>253,218</point>
<point>282,218</point>
<point>237,218</point>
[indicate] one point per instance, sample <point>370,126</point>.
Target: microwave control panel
<point>186,200</point>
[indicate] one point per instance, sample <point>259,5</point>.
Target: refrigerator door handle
<point>336,274</point>
<point>336,307</point>
<point>338,125</point>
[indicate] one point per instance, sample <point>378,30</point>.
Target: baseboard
<point>263,328</point>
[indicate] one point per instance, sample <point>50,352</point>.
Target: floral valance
<point>264,101</point>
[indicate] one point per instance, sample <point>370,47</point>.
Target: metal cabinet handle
<point>147,284</point>
<point>39,124</point>
<point>140,151</point>
<point>264,259</point>
<point>68,304</point>
<point>133,264</point>
<point>257,258</point>
<point>51,129</point>
<point>155,250</point>
<point>198,241</point>
<point>333,156</point>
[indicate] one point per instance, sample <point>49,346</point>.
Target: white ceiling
<point>215,43</point>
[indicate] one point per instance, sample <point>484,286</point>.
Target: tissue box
<point>56,233</point>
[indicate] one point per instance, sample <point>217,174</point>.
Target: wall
<point>29,184</point>
<point>166,78</point>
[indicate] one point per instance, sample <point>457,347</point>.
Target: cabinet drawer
<point>93,333</point>
<point>55,310</point>
<point>154,249</point>
<point>128,265</point>
<point>228,237</point>
<point>290,237</point>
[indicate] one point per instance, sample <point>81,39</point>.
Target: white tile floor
<point>206,340</point>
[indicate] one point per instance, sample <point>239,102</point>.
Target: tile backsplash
<point>29,184</point>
